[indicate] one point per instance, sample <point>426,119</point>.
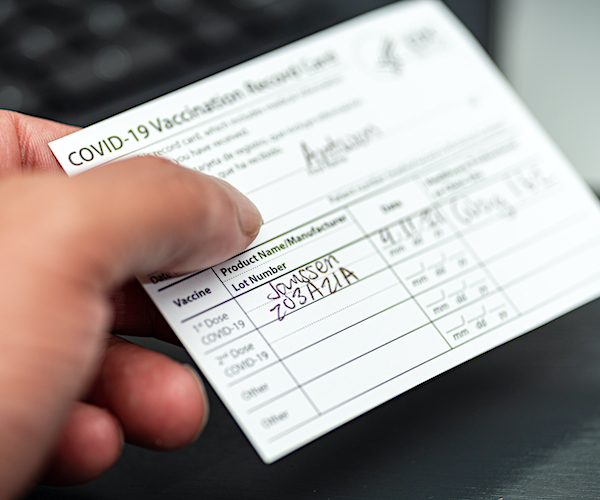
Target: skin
<point>70,392</point>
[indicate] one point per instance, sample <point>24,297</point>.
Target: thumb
<point>144,215</point>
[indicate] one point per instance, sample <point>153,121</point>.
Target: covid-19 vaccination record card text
<point>415,213</point>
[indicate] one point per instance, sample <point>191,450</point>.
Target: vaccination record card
<point>416,216</point>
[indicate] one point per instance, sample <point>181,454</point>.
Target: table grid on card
<point>409,285</point>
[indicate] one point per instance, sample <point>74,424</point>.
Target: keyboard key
<point>37,41</point>
<point>215,28</point>
<point>65,3</point>
<point>7,8</point>
<point>106,19</point>
<point>174,7</point>
<point>18,96</point>
<point>112,63</point>
<point>10,97</point>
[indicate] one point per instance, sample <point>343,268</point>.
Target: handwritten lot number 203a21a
<point>314,281</point>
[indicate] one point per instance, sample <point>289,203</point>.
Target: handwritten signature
<point>336,151</point>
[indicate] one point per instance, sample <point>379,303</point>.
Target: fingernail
<point>249,217</point>
<point>204,397</point>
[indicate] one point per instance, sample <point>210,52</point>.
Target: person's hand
<point>69,391</point>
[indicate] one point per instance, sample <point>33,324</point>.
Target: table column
<point>296,290</point>
<point>232,353</point>
<point>378,341</point>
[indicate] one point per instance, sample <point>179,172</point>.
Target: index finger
<point>24,143</point>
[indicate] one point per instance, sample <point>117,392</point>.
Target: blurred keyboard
<point>63,58</point>
<point>82,60</point>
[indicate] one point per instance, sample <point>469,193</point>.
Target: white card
<point>415,217</point>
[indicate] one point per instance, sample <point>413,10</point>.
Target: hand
<point>69,391</point>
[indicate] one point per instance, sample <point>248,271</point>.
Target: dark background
<point>60,58</point>
<point>520,422</point>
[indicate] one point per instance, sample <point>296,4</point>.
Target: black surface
<point>519,422</point>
